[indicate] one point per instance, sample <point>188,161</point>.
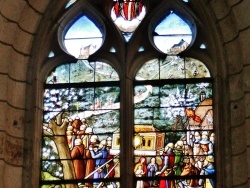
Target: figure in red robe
<point>128,9</point>
<point>90,163</point>
<point>77,155</point>
<point>167,166</point>
<point>76,125</point>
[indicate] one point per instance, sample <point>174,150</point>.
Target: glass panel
<point>77,147</point>
<point>173,130</point>
<point>172,67</point>
<point>112,50</point>
<point>81,185</point>
<point>82,48</point>
<point>185,95</point>
<point>85,71</point>
<point>143,115</point>
<point>83,38</point>
<point>127,15</point>
<point>56,99</point>
<point>149,71</point>
<point>172,35</point>
<point>59,75</point>
<point>203,46</point>
<point>196,69</point>
<point>104,72</point>
<point>51,54</point>
<point>146,96</point>
<point>81,130</point>
<point>107,98</point>
<point>82,71</point>
<point>80,98</point>
<point>173,95</point>
<point>83,28</point>
<point>47,115</point>
<point>141,49</point>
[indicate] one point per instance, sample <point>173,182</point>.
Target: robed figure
<point>78,155</point>
<point>168,158</point>
<point>128,9</point>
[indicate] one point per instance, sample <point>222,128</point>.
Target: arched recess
<point>41,49</point>
<point>195,19</point>
<point>78,10</point>
<point>155,87</point>
<point>213,57</point>
<point>203,32</point>
<point>39,67</point>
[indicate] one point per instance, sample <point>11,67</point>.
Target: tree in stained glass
<point>173,137</point>
<point>173,124</point>
<point>172,35</point>
<point>80,148</point>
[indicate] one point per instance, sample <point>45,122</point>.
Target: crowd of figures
<point>190,159</point>
<point>90,155</point>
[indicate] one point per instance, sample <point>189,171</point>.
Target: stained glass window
<point>83,38</point>
<point>80,118</point>
<point>173,124</point>
<point>127,15</point>
<point>172,35</point>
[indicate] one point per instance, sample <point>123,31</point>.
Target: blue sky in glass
<point>203,46</point>
<point>171,31</point>
<point>51,54</point>
<point>83,34</point>
<point>173,24</point>
<point>83,28</point>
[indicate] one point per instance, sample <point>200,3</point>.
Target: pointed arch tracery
<point>172,101</point>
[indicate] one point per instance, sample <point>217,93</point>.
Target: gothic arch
<point>40,50</point>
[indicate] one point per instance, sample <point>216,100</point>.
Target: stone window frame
<point>43,66</point>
